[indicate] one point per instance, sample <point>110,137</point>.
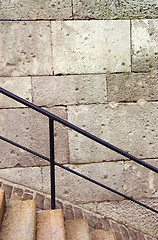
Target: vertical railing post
<point>52,165</point>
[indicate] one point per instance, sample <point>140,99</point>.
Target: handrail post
<point>52,165</point>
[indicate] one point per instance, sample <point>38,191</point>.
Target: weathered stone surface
<point>125,177</point>
<point>131,214</point>
<point>145,45</point>
<point>132,87</point>
<point>19,221</point>
<point>30,177</point>
<point>91,46</point>
<point>31,10</point>
<point>19,86</point>
<point>31,129</point>
<point>75,189</point>
<point>68,90</point>
<point>119,9</point>
<point>137,177</point>
<point>77,229</point>
<point>25,48</point>
<point>50,225</point>
<point>132,127</point>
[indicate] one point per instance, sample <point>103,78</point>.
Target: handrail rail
<point>53,117</point>
<point>77,129</point>
<point>77,173</point>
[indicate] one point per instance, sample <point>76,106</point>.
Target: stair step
<point>102,235</point>
<point>77,230</point>
<point>50,225</point>
<point>2,202</point>
<point>19,221</point>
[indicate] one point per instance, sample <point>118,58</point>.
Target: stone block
<point>25,48</point>
<point>18,191</point>
<point>77,229</point>
<point>19,220</point>
<point>122,211</point>
<point>132,87</point>
<point>31,129</point>
<point>131,127</point>
<point>78,213</point>
<point>29,177</point>
<point>77,190</point>
<point>145,45</point>
<point>32,10</point>
<point>121,9</point>
<point>68,90</point>
<point>137,177</point>
<point>27,196</point>
<point>39,200</point>
<point>68,213</point>
<point>50,225</point>
<point>82,47</point>
<point>8,190</point>
<point>19,86</point>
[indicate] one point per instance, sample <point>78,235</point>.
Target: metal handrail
<point>53,117</point>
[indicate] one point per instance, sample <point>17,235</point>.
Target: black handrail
<point>53,117</point>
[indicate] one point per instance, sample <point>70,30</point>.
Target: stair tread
<point>77,229</point>
<point>50,225</point>
<point>19,221</point>
<point>102,235</point>
<point>2,201</point>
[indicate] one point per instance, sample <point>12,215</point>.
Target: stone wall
<point>95,64</point>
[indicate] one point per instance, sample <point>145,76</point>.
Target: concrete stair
<point>102,235</point>
<point>77,230</point>
<point>19,221</point>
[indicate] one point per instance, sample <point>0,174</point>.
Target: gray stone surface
<point>68,90</point>
<point>140,182</point>
<point>25,48</point>
<point>125,177</point>
<point>30,129</point>
<point>132,87</point>
<point>144,44</point>
<point>131,214</point>
<point>29,177</point>
<point>74,189</point>
<point>32,10</point>
<point>91,46</point>
<point>118,9</point>
<point>20,86</point>
<point>132,127</point>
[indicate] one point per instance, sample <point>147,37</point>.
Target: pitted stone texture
<point>132,87</point>
<point>120,9</point>
<point>145,45</point>
<point>20,86</point>
<point>137,177</point>
<point>68,90</point>
<point>91,46</point>
<point>29,177</point>
<point>25,48</point>
<point>77,190</point>
<point>31,129</point>
<point>131,214</point>
<point>127,178</point>
<point>32,10</point>
<point>132,127</point>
